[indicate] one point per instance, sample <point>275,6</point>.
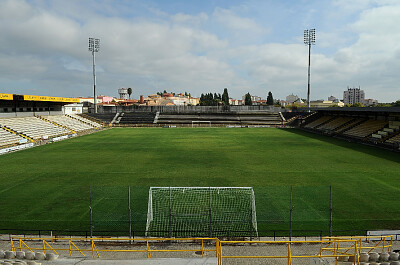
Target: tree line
<point>215,99</point>
<point>210,99</point>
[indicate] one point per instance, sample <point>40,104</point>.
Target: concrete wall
<point>188,109</point>
<point>28,114</point>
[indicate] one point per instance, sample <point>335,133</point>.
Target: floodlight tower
<point>94,46</point>
<point>309,39</point>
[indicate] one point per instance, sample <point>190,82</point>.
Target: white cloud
<point>185,19</point>
<point>234,22</point>
<point>237,29</point>
<point>196,53</point>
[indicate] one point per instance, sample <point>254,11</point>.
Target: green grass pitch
<point>47,187</point>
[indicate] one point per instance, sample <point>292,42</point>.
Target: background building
<point>253,98</point>
<point>291,98</point>
<point>123,93</point>
<point>332,98</point>
<point>353,95</point>
<point>370,102</point>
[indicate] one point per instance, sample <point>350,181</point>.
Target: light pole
<point>309,39</point>
<point>94,46</point>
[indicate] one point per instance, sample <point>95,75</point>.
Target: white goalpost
<point>201,212</point>
<point>201,122</point>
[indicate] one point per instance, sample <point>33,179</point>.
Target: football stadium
<point>204,178</point>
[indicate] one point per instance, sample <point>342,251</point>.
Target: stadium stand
<point>267,118</point>
<point>84,120</point>
<point>8,138</point>
<point>321,120</point>
<point>335,123</point>
<point>366,128</point>
<point>34,127</point>
<point>181,119</point>
<point>394,140</point>
<point>69,123</point>
<point>137,118</point>
<point>249,118</point>
<point>186,119</point>
<point>346,126</point>
<point>99,117</point>
<point>373,126</point>
<point>391,135</point>
<point>350,124</point>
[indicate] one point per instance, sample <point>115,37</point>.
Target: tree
<point>225,97</point>
<point>129,92</point>
<point>397,103</point>
<point>270,99</point>
<point>358,104</point>
<point>247,100</point>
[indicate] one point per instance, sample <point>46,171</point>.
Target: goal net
<point>201,212</point>
<point>201,123</point>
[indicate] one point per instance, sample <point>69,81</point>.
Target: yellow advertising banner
<point>51,99</point>
<point>43,98</point>
<point>30,97</point>
<point>6,96</point>
<point>73,100</point>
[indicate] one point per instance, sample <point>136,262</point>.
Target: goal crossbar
<point>201,211</point>
<point>199,122</point>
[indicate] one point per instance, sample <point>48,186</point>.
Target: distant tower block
<point>123,93</point>
<point>141,99</point>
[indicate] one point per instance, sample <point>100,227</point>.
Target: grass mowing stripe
<point>51,182</point>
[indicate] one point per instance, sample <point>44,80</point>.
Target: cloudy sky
<point>200,46</point>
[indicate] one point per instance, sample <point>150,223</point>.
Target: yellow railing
<point>330,247</point>
<point>382,243</point>
<point>289,256</point>
<point>44,244</point>
<point>15,132</point>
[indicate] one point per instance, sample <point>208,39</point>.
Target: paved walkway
<point>168,261</point>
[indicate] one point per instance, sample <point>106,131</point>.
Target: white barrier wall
<point>16,148</point>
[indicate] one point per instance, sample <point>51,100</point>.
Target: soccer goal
<point>201,124</point>
<point>201,212</point>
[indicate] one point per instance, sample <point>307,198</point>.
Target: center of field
<point>47,187</point>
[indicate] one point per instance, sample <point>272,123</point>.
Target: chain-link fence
<point>280,211</point>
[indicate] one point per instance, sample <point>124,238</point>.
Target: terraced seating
<point>8,138</point>
<point>394,140</point>
<point>335,123</point>
<point>87,121</point>
<point>261,119</point>
<point>187,119</point>
<point>366,128</point>
<point>349,124</point>
<point>222,118</point>
<point>318,122</point>
<point>68,122</point>
<point>34,127</point>
<point>105,117</point>
<point>137,118</point>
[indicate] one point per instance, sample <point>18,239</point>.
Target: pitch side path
<point>47,187</point>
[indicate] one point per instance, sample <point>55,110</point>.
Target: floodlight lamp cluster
<point>309,36</point>
<point>94,45</point>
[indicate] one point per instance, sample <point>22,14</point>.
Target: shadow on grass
<point>370,150</point>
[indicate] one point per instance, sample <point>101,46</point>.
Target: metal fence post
<point>170,216</point>
<point>251,216</point>
<point>331,211</point>
<point>130,212</point>
<point>91,211</point>
<point>291,212</point>
<point>209,213</point>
